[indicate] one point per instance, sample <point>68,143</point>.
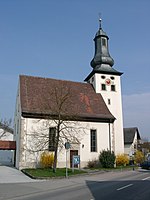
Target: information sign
<point>76,160</point>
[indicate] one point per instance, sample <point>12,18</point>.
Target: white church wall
<point>32,129</point>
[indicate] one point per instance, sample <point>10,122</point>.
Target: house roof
<point>40,97</point>
<point>129,134</point>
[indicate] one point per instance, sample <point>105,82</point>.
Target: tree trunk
<point>55,161</point>
<point>56,149</point>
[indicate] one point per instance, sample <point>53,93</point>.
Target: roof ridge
<point>46,78</point>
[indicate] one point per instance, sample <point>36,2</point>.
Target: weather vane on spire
<point>100,21</point>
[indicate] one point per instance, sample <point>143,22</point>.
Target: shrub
<point>46,160</point>
<point>93,164</point>
<point>107,159</point>
<point>122,160</point>
<point>139,157</point>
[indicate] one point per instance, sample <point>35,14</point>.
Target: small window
<point>92,79</point>
<point>113,88</point>
<point>109,102</point>
<point>93,141</point>
<point>112,77</point>
<point>52,138</point>
<point>103,77</point>
<point>103,87</point>
<point>103,42</point>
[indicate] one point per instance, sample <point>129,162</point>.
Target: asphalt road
<point>127,185</point>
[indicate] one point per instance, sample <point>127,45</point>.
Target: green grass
<point>61,172</point>
<point>45,173</point>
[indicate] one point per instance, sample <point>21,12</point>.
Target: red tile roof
<point>41,96</point>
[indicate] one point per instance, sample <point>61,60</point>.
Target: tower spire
<point>102,58</point>
<point>100,21</point>
<point>102,62</point>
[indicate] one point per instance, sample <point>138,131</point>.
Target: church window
<point>93,141</point>
<point>103,87</point>
<point>113,88</point>
<point>112,77</point>
<point>52,138</point>
<point>109,102</point>
<point>103,77</point>
<point>92,79</point>
<point>103,42</point>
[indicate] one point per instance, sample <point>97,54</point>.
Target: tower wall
<point>113,100</point>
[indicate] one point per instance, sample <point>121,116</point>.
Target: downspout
<point>109,136</point>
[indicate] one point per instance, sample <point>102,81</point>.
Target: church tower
<point>106,81</point>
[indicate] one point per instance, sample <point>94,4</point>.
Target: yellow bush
<point>47,160</point>
<point>122,160</point>
<point>139,157</point>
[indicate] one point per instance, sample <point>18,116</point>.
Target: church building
<point>88,114</point>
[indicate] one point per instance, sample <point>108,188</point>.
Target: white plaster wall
<point>128,149</point>
<point>102,141</point>
<point>30,159</point>
<point>115,107</point>
<point>135,140</point>
<point>131,148</point>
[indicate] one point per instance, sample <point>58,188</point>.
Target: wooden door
<point>73,153</point>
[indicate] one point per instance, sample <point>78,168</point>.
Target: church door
<point>73,153</point>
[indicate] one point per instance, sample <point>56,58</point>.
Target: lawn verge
<point>47,173</point>
<point>42,173</point>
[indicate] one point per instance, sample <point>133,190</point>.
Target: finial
<point>100,21</point>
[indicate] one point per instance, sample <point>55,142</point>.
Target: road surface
<point>126,185</point>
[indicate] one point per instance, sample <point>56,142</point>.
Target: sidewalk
<point>12,175</point>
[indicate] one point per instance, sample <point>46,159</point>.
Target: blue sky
<point>54,38</point>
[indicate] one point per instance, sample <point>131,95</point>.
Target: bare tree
<point>62,114</point>
<point>5,127</point>
<point>144,147</point>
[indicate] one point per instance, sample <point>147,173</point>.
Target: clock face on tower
<point>108,81</point>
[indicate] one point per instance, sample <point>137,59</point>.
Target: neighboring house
<point>131,140</point>
<point>6,137</point>
<point>94,111</point>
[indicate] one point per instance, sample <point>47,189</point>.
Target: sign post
<point>66,164</point>
<point>67,146</point>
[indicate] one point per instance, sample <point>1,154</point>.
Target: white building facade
<point>131,140</point>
